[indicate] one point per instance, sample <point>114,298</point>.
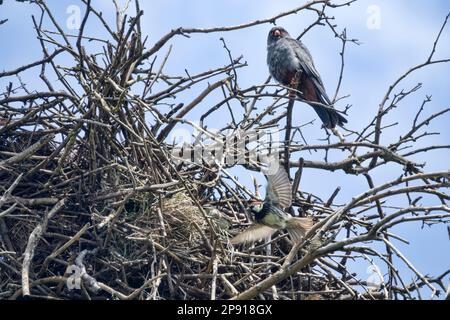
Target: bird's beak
<point>277,33</point>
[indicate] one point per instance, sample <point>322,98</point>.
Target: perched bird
<point>269,215</point>
<point>291,64</point>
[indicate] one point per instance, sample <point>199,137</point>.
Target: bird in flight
<point>269,214</point>
<point>291,64</point>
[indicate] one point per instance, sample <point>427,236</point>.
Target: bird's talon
<point>338,134</point>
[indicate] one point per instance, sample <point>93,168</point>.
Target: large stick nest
<point>95,204</point>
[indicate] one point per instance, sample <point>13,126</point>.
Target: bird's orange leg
<point>294,85</point>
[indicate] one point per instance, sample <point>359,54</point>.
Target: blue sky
<point>404,39</point>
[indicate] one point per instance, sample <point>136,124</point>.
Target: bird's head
<point>256,206</point>
<point>275,34</point>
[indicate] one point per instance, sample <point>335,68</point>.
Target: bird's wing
<point>307,64</point>
<point>279,188</point>
<point>254,232</point>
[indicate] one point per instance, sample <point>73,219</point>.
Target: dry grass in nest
<point>19,231</point>
<point>183,219</point>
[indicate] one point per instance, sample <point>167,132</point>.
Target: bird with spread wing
<point>269,214</point>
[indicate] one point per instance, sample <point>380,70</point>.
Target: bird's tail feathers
<point>330,117</point>
<point>298,227</point>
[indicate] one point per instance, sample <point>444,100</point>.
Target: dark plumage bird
<point>269,215</point>
<point>291,64</point>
